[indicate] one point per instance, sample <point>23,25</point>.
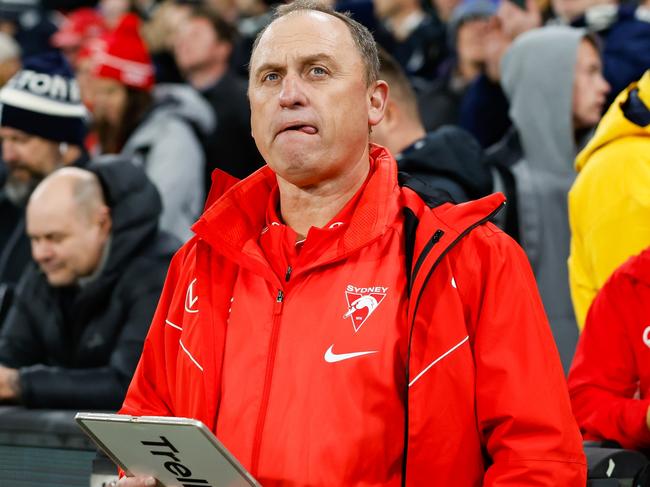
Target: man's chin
<point>18,191</point>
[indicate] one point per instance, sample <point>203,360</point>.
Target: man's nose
<point>292,93</point>
<point>9,153</point>
<point>41,251</point>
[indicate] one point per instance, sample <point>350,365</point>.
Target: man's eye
<point>270,77</point>
<point>318,71</point>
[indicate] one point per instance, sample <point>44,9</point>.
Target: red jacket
<point>609,380</point>
<point>465,370</point>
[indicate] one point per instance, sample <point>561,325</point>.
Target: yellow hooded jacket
<point>609,203</point>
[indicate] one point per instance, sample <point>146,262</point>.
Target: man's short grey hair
<point>360,34</point>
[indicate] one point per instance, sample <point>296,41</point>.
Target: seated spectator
<point>411,35</point>
<point>609,203</point>
<point>552,77</point>
<point>202,50</point>
<point>42,126</point>
<point>448,159</point>
<point>77,325</point>
<point>160,130</point>
<point>440,100</point>
<point>609,380</point>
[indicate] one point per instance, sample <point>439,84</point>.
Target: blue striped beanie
<point>43,99</point>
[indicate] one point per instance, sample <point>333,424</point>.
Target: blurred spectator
<point>440,100</point>
<point>42,125</point>
<point>9,58</point>
<point>75,332</point>
<point>253,17</point>
<point>159,32</point>
<point>609,380</point>
<point>448,159</point>
<point>160,130</point>
<point>625,31</point>
<point>202,48</point>
<point>609,204</point>
<point>29,23</point>
<point>411,35</point>
<point>78,28</point>
<point>552,77</point>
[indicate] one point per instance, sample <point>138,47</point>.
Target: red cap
<point>82,24</point>
<point>124,57</point>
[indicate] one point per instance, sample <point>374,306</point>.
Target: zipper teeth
<point>427,248</point>
<point>412,324</point>
<point>266,393</point>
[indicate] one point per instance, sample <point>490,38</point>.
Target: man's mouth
<point>304,128</point>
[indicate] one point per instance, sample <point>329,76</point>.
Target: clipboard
<point>178,452</point>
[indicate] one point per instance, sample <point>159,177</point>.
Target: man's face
<point>66,243</point>
<point>196,45</point>
<point>470,43</point>
<point>109,100</point>
<point>311,107</point>
<point>29,159</point>
<point>589,87</point>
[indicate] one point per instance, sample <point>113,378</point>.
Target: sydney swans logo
<point>362,302</point>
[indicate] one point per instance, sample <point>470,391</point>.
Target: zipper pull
<point>287,276</point>
<point>280,297</point>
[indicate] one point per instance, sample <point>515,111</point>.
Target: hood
<point>135,207</point>
<point>449,152</point>
<point>626,117</point>
<point>184,102</point>
<point>537,75</point>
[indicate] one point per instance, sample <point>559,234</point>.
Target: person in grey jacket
<point>76,328</point>
<point>159,127</point>
<point>553,79</point>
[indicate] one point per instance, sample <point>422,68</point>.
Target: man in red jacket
<point>609,380</point>
<point>330,327</point>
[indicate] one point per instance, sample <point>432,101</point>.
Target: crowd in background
<point>142,100</point>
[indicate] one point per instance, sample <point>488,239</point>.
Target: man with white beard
<point>42,128</point>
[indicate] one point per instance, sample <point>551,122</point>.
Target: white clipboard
<point>178,452</point>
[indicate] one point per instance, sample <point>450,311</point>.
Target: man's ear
<point>378,99</point>
<point>105,220</point>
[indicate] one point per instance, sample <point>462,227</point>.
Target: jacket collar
<point>233,224</point>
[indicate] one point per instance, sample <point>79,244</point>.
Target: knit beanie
<point>124,57</point>
<point>43,99</point>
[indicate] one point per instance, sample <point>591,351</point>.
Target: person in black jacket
<point>42,127</point>
<point>202,49</point>
<point>76,328</point>
<point>448,160</point>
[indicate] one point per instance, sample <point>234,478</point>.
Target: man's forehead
<point>302,33</point>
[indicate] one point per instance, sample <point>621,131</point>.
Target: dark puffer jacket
<point>77,347</point>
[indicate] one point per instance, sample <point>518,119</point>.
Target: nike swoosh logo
<point>331,357</point>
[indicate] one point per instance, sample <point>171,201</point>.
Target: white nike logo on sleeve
<point>331,357</point>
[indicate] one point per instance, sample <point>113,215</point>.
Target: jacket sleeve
<point>603,379</point>
<point>606,234</point>
<point>149,393</point>
<point>45,386</point>
<point>523,409</point>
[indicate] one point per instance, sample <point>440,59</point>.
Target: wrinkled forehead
<point>304,34</point>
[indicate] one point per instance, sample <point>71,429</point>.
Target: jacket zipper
<point>266,392</point>
<point>420,260</point>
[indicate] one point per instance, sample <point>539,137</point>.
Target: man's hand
<point>9,385</point>
<point>134,482</point>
